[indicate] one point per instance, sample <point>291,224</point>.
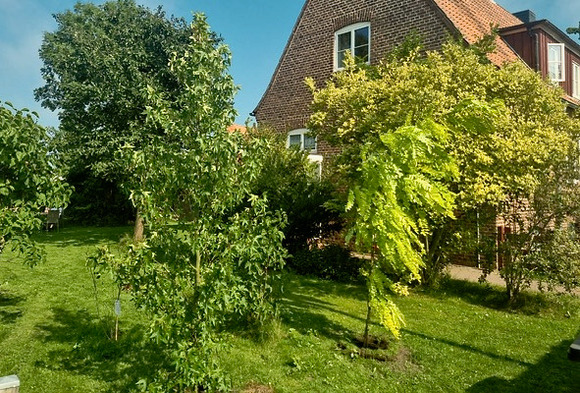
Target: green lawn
<point>460,338</point>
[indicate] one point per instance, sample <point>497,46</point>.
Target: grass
<point>459,338</point>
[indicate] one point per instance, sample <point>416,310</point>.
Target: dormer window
<point>556,70</point>
<point>301,140</point>
<point>354,39</point>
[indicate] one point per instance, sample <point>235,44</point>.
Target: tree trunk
<point>368,318</point>
<point>139,228</point>
<point>367,323</point>
<point>432,268</point>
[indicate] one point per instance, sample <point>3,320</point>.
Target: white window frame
<point>350,28</point>
<point>575,80</point>
<point>561,62</point>
<point>302,132</point>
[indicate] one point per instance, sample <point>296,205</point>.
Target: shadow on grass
<point>299,313</point>
<point>9,312</point>
<point>304,309</point>
<point>81,236</point>
<point>485,295</point>
<point>318,287</point>
<point>553,373</point>
<point>475,293</point>
<point>83,348</point>
<point>466,348</point>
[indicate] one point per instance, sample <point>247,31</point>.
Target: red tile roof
<point>237,127</point>
<point>475,18</point>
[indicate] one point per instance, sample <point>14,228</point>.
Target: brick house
<point>325,29</point>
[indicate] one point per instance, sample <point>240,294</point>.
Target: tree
<point>96,67</point>
<point>573,30</point>
<point>542,244</point>
<point>508,129</point>
<point>29,181</point>
<point>396,176</point>
<point>212,248</point>
<point>400,185</point>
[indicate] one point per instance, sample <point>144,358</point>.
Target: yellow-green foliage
<point>399,182</point>
<point>424,135</point>
<point>508,126</point>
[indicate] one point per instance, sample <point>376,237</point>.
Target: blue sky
<point>255,30</point>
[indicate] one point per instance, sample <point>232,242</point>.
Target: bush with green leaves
<point>212,248</point>
<point>291,184</point>
<point>30,181</point>
<point>556,264</point>
<point>333,262</point>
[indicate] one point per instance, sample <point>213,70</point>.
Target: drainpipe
<point>537,51</point>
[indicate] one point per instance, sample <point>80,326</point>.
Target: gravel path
<point>472,274</point>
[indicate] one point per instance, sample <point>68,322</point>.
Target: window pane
<point>555,53</point>
<point>361,36</point>
<point>344,41</point>
<point>341,56</point>
<point>575,80</point>
<point>556,61</point>
<point>362,53</point>
<point>555,71</point>
<point>309,143</point>
<point>295,140</point>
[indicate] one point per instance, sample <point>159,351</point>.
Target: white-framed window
<point>575,80</point>
<point>355,39</point>
<point>302,140</point>
<point>556,68</point>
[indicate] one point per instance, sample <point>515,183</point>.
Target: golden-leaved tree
<point>426,137</point>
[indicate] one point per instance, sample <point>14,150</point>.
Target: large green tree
<point>29,181</point>
<point>510,136</point>
<point>97,65</point>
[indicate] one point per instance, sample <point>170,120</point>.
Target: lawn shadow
<point>81,236</point>
<point>489,296</point>
<point>9,311</point>
<point>84,348</point>
<point>553,373</point>
<point>466,347</point>
<point>317,287</point>
<point>303,308</point>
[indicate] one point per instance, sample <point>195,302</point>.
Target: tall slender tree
<point>211,245</point>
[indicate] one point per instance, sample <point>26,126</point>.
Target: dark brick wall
<point>309,52</point>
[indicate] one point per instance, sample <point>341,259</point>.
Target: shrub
<point>558,264</point>
<point>331,263</point>
<point>291,184</point>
